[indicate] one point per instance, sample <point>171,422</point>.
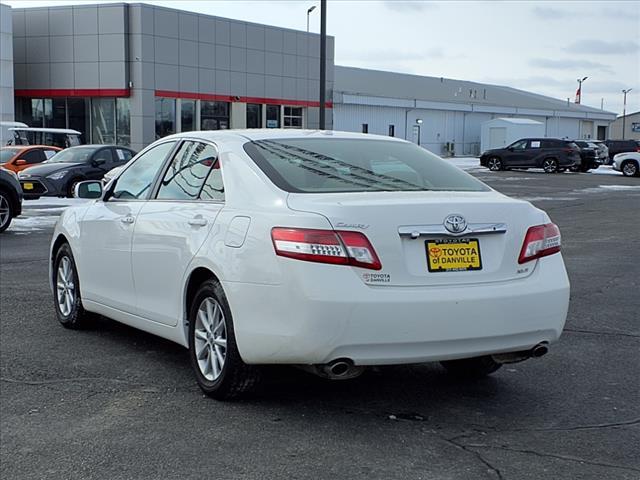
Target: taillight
<point>540,241</point>
<point>325,246</point>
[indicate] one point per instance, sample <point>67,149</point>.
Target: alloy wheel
<point>630,169</point>
<point>495,164</point>
<point>210,339</point>
<point>5,210</point>
<point>549,165</point>
<point>65,287</point>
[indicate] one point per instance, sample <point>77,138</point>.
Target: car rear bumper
<point>320,319</point>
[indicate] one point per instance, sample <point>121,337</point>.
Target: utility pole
<point>323,61</point>
<point>624,110</point>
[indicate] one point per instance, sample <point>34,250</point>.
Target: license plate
<point>27,186</point>
<point>453,255</point>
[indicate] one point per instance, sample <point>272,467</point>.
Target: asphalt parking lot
<point>112,402</point>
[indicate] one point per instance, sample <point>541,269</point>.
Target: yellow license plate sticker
<point>453,255</point>
<point>27,186</point>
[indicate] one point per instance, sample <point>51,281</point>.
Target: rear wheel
<point>471,367</point>
<point>494,164</point>
<point>219,369</point>
<point>69,309</point>
<point>629,168</point>
<point>550,165</point>
<point>6,211</point>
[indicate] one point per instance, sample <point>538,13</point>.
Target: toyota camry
<point>326,250</point>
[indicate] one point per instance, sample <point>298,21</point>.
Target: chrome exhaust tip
<point>539,350</point>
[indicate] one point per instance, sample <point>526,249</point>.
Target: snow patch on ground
<point>32,224</point>
<point>42,214</point>
<point>466,163</point>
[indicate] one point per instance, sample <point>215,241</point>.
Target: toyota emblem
<point>455,223</point>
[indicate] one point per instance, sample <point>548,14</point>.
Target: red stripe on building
<point>73,92</point>
<point>231,98</point>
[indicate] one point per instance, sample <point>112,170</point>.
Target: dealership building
<point>132,73</point>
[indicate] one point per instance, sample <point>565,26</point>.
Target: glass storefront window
<point>254,115</point>
<point>58,118</point>
<point>292,117</point>
<point>188,116</point>
<point>37,113</point>
<point>214,115</point>
<point>123,121</point>
<point>165,117</point>
<point>103,120</point>
<point>273,116</point>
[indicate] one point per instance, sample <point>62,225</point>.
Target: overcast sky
<point>541,46</point>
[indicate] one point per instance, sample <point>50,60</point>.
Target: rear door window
<point>123,155</point>
<point>187,172</point>
<point>104,155</point>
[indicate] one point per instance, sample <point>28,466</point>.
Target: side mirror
<point>88,189</point>
<point>511,149</point>
<point>20,162</point>
<point>97,162</point>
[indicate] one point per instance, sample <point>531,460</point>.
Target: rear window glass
<point>325,165</point>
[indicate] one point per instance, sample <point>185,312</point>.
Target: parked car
<point>58,175</point>
<point>621,146</point>
<point>328,250</point>
<point>550,154</point>
<point>627,163</point>
<point>10,198</point>
<point>589,159</point>
<point>603,151</point>
<point>18,158</point>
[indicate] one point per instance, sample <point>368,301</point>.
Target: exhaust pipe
<point>339,369</point>
<point>539,350</point>
<point>513,357</point>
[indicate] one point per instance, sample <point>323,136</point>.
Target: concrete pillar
<point>238,115</point>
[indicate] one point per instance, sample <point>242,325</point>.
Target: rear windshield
<point>325,165</point>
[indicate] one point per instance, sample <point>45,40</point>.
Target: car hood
<point>46,169</point>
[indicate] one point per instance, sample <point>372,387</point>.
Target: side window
<point>521,145</point>
<point>213,188</point>
<point>104,156</point>
<point>123,155</point>
<point>33,156</point>
<point>135,182</point>
<point>49,153</point>
<point>187,172</point>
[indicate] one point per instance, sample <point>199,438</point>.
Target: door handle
<point>128,219</point>
<point>197,222</point>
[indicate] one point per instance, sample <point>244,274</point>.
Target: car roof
<point>96,146</point>
<point>277,133</point>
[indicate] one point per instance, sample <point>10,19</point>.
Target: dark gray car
<point>551,154</point>
<point>10,198</point>
<point>57,176</point>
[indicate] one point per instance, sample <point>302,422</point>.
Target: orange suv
<point>19,157</point>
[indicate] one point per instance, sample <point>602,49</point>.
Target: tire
<point>574,169</point>
<point>6,211</point>
<point>71,186</point>
<point>550,165</point>
<point>218,367</point>
<point>629,168</point>
<point>495,164</point>
<point>66,297</point>
<point>476,367</point>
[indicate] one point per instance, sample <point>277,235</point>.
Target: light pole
<point>311,9</point>
<point>579,96</point>
<point>624,110</point>
<point>323,63</point>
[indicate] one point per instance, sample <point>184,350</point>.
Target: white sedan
<point>628,163</point>
<point>326,250</point>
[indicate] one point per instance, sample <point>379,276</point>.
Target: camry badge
<point>455,223</point>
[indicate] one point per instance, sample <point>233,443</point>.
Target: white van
<point>57,137</point>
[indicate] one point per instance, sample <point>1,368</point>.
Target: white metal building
<point>445,115</point>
